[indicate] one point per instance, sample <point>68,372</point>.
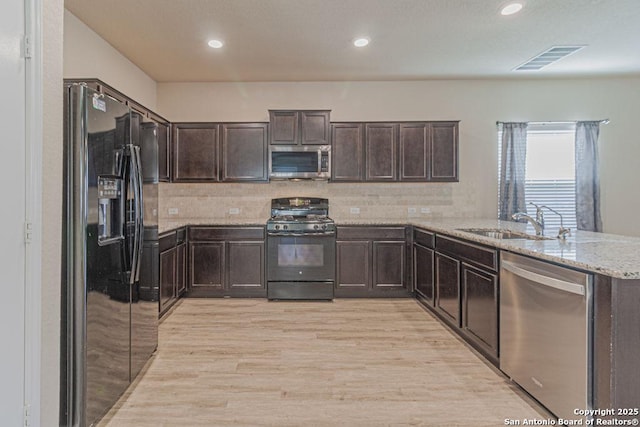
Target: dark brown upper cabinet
<point>414,151</point>
<point>444,152</point>
<point>244,152</point>
<point>381,158</point>
<point>347,152</point>
<point>402,151</point>
<point>195,152</point>
<point>220,152</point>
<point>299,127</point>
<point>164,153</point>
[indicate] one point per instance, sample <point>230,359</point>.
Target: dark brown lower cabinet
<point>206,268</point>
<point>352,261</point>
<point>480,308</point>
<point>167,278</point>
<point>371,262</point>
<point>448,287</point>
<point>245,268</point>
<point>423,273</point>
<point>389,266</point>
<point>172,274</point>
<point>458,281</point>
<point>181,269</point>
<point>227,261</point>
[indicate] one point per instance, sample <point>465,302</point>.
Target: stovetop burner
<point>300,215</point>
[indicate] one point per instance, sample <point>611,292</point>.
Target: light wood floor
<point>244,362</point>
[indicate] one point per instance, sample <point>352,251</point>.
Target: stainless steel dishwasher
<point>546,332</point>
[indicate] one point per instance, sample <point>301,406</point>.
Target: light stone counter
<point>171,225</point>
<point>607,254</point>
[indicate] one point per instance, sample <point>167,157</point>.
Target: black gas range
<point>301,249</point>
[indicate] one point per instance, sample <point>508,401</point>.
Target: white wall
<point>478,104</point>
<point>87,55</point>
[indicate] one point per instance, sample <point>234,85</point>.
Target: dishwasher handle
<point>551,282</point>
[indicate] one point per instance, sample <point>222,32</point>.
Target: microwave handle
<point>323,158</point>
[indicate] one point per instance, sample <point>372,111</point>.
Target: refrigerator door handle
<point>136,174</point>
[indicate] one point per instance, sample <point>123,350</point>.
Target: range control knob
<point>285,227</point>
<point>315,226</point>
<point>277,227</point>
<point>324,226</point>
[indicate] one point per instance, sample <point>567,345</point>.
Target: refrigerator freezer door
<point>98,299</point>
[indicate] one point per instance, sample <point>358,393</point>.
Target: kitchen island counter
<point>607,254</point>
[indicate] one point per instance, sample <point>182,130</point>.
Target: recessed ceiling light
<point>361,42</point>
<point>216,44</point>
<point>511,8</point>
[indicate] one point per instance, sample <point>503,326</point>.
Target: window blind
<point>557,193</point>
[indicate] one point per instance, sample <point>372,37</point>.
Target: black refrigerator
<point>109,281</point>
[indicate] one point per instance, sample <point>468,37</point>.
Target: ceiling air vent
<point>547,57</point>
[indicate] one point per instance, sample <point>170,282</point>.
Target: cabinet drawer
<point>425,238</point>
<point>226,233</point>
<point>480,255</point>
<point>167,240</point>
<point>371,233</point>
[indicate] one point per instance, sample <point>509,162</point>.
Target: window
<point>550,172</point>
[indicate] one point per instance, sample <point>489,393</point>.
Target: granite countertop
<point>172,225</point>
<point>608,254</point>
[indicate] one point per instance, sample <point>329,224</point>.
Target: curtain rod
<point>549,122</point>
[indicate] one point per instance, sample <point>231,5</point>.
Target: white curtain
<point>587,177</point>
<point>512,170</point>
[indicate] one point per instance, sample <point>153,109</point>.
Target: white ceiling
<point>308,40</point>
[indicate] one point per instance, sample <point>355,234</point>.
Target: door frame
<point>33,210</point>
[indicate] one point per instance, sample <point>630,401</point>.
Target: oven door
<point>301,258</point>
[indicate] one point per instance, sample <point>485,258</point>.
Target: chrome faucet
<point>563,232</point>
<point>538,223</point>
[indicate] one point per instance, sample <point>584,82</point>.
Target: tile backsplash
<point>208,203</point>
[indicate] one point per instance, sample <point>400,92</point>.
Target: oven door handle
<point>328,233</point>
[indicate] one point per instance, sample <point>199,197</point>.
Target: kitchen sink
<point>500,233</point>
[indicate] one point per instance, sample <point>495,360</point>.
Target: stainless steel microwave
<point>300,162</point>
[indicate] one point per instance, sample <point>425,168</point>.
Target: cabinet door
<point>448,287</point>
<point>195,152</point>
<point>414,151</point>
<point>423,272</point>
<point>480,307</point>
<point>181,269</point>
<point>381,152</point>
<point>164,156</point>
<point>284,127</point>
<point>347,155</point>
<point>353,268</point>
<point>444,152</point>
<point>244,152</point>
<point>245,269</point>
<point>206,268</point>
<point>167,278</point>
<point>314,126</point>
<point>389,266</point>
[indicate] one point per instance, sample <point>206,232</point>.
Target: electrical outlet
<point>412,211</point>
<point>425,210</point>
<point>354,211</point>
<point>234,211</point>
<point>173,211</point>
